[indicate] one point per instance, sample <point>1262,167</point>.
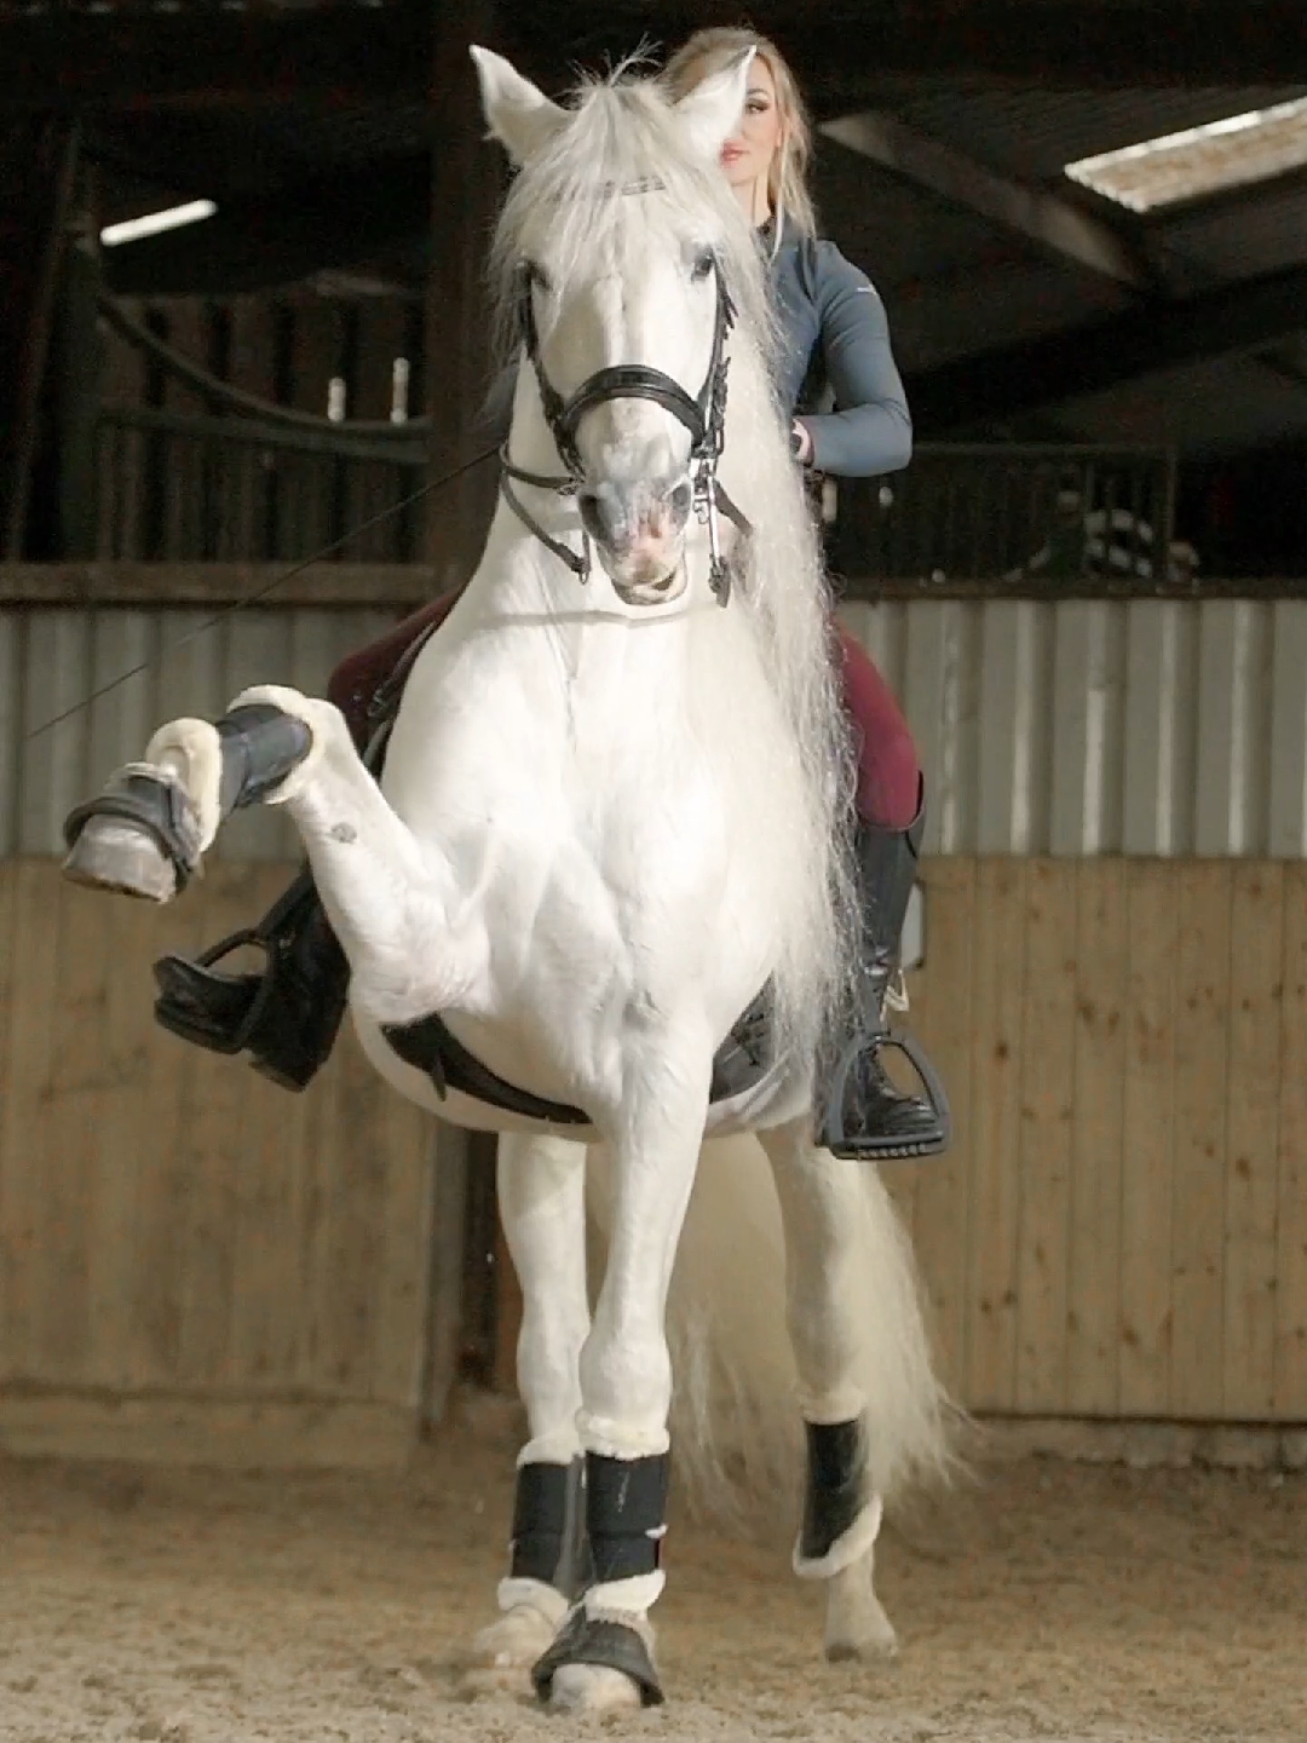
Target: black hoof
<point>141,836</point>
<point>608,1645</point>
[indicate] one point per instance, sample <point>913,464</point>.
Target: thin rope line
<point>253,598</point>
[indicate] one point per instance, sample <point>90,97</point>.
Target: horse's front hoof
<point>110,853</point>
<point>599,1665</point>
<point>593,1688</point>
<point>140,837</point>
<point>502,1655</point>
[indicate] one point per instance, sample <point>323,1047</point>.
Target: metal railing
<point>1012,513</point>
<point>177,488</point>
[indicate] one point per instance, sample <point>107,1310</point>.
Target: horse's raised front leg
<point>602,1660</point>
<point>147,833</point>
<point>823,1211</point>
<point>392,901</point>
<point>541,1185</point>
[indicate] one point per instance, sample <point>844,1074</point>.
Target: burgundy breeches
<point>889,775</point>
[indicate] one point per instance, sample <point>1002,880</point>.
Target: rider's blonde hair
<point>787,179</point>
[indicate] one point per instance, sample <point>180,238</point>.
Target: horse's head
<point>611,249</point>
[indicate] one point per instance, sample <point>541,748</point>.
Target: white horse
<point>611,816</point>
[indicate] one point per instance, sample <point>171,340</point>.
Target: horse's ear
<point>517,112</point>
<point>711,111</point>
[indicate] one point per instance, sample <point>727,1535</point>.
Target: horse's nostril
<point>592,518</point>
<point>681,499</point>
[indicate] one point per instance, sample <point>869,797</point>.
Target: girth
<point>428,1045</point>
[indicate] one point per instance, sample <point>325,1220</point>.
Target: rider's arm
<point>870,431</point>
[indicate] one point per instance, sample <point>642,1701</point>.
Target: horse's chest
<point>633,880</point>
<point>603,854</point>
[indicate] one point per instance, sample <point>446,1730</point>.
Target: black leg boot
<point>866,1116</point>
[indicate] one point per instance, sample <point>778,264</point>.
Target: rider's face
<point>748,153</point>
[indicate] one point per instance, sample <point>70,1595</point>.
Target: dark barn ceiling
<point>1019,302</point>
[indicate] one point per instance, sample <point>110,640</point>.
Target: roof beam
<point>841,48</point>
<point>70,60</point>
<point>1014,380</point>
<point>69,57</point>
<point>1053,224</point>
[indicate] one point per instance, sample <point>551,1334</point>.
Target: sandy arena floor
<point>1049,1601</point>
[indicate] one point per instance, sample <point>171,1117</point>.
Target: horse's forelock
<point>623,138</point>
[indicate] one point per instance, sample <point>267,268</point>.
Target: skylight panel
<point>1231,153</point>
<point>155,223</point>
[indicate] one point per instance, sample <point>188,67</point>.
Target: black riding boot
<point>866,1117</point>
<point>287,1016</point>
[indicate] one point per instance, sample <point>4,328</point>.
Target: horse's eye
<point>702,266</point>
<point>535,275</point>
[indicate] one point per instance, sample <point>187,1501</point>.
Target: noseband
<point>704,417</point>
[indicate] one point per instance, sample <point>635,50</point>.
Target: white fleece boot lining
<point>188,753</point>
<point>851,1546</point>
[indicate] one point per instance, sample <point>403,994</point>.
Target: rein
<point>255,596</point>
<point>703,415</point>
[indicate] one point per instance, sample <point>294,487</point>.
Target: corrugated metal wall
<point>1086,727</point>
<point>50,660</point>
<point>1141,727</point>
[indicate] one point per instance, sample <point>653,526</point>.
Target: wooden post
<point>38,157</point>
<point>75,374</point>
<point>467,178</point>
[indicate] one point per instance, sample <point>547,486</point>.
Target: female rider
<point>836,348</point>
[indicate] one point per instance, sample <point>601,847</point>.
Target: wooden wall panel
<point>997,992</point>
<point>1291,1198</point>
<point>1093,1283</point>
<point>1047,1066</point>
<point>1148,1140</point>
<point>1119,1230</point>
<point>1130,1137</point>
<point>171,1224</point>
<point>1202,1032</point>
<point>1252,1181</point>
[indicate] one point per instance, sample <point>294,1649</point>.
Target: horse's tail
<point>736,1434</point>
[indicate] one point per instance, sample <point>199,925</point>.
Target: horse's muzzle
<point>639,532</point>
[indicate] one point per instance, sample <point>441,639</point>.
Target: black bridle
<point>704,416</point>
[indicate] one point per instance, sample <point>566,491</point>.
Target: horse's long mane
<point>622,134</point>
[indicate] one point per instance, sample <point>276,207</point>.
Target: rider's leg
<point>286,1016</point>
<point>874,1118</point>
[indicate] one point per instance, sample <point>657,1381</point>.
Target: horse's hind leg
<point>542,1205</point>
<point>823,1212</point>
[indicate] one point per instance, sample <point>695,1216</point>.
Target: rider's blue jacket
<point>837,370</point>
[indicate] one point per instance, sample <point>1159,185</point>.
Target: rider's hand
<point>801,443</point>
